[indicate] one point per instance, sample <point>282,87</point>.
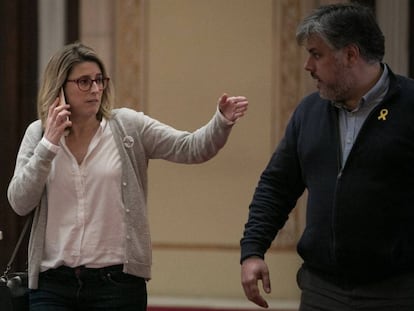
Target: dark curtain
<point>18,91</point>
<point>72,20</point>
<point>411,39</point>
<point>18,84</point>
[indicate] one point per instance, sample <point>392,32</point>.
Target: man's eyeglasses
<point>85,83</point>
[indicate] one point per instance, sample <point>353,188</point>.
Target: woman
<point>82,168</point>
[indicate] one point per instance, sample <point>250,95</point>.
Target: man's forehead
<point>315,41</point>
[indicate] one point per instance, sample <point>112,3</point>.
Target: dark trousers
<point>79,289</point>
<point>318,294</point>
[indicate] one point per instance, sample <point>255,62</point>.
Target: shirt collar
<point>103,124</point>
<point>379,89</point>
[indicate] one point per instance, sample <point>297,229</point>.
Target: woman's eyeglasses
<point>85,83</point>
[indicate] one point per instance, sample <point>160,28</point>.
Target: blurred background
<point>172,59</point>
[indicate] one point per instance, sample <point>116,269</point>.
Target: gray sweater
<point>138,138</point>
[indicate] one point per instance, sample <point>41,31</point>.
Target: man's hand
<point>254,269</point>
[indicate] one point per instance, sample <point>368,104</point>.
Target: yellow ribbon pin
<point>383,114</point>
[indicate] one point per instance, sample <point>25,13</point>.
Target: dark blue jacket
<point>360,219</point>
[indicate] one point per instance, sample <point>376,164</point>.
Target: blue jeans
<point>79,289</point>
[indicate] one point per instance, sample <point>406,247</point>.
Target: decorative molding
<point>211,247</point>
<point>129,53</point>
<point>393,18</point>
<point>287,76</point>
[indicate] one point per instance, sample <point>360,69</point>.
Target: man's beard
<point>338,90</point>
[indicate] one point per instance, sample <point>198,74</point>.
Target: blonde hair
<point>57,71</point>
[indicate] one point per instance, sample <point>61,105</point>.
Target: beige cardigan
<point>138,138</point>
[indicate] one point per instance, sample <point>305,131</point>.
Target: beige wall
<point>186,54</point>
<point>173,59</point>
<point>196,51</point>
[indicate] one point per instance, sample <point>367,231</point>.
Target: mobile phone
<point>62,101</point>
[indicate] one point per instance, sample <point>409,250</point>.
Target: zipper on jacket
<point>338,177</point>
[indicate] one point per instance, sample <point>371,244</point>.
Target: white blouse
<point>85,224</point>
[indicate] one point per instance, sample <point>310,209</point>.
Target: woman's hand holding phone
<point>62,102</point>
<point>58,122</point>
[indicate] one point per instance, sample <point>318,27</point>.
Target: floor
<point>208,309</point>
<point>208,304</point>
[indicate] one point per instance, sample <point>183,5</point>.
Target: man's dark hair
<point>342,24</point>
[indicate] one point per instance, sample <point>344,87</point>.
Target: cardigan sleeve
<point>162,141</point>
<point>31,171</point>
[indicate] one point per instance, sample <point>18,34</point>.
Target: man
<point>351,145</point>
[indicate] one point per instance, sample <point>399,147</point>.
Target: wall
<point>396,32</point>
<point>187,53</point>
<point>196,51</point>
<point>173,59</point>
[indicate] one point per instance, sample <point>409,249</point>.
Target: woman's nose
<point>94,87</point>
